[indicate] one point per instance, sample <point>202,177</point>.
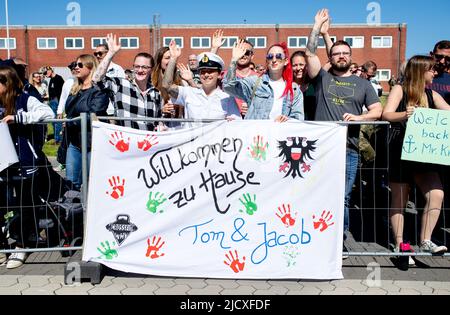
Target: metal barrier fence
<point>369,211</point>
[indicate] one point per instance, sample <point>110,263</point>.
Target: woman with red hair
<point>273,96</point>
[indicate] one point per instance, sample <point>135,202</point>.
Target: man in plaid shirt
<point>137,99</point>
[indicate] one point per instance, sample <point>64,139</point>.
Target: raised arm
<point>312,60</point>
<point>324,31</point>
<point>114,48</point>
<point>217,41</point>
<point>167,84</point>
<point>231,85</point>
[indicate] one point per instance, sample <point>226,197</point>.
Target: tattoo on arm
<point>167,83</point>
<point>102,68</point>
<point>231,74</point>
<point>313,41</point>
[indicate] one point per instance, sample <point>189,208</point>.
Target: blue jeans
<point>352,162</point>
<point>57,127</point>
<point>74,165</point>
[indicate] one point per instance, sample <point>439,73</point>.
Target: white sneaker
<point>430,247</point>
<point>16,260</point>
<point>2,258</point>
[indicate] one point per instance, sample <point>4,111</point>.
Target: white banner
<point>248,200</point>
<point>9,155</point>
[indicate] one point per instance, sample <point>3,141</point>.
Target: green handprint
<point>250,206</point>
<point>258,150</point>
<point>109,253</point>
<point>153,204</point>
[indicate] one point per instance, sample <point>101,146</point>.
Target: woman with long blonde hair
<point>85,97</point>
<point>402,102</point>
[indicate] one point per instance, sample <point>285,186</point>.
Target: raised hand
<point>325,26</point>
<point>175,50</point>
<point>239,50</point>
<point>113,44</point>
<point>185,73</point>
<point>218,39</point>
<point>321,17</point>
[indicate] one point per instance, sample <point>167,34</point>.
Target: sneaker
<point>430,247</point>
<point>405,248</point>
<point>2,258</point>
<point>16,260</point>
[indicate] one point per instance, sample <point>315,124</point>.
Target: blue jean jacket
<point>262,103</point>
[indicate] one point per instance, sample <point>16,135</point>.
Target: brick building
<point>59,45</point>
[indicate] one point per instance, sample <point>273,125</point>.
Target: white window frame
<point>356,37</point>
<point>97,38</point>
<point>74,40</point>
<point>378,76</point>
<point>256,41</point>
<point>298,38</point>
<point>333,39</point>
<point>169,38</point>
<point>129,39</point>
<point>201,38</point>
<point>382,39</point>
<point>47,39</point>
<point>13,46</point>
<point>226,44</point>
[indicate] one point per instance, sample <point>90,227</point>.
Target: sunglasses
<point>278,56</point>
<point>248,52</point>
<point>99,54</point>
<point>440,57</point>
<point>80,65</point>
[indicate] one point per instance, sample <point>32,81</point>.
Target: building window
<point>229,42</point>
<point>322,41</point>
<point>200,42</point>
<point>258,42</point>
<point>297,42</point>
<point>178,40</point>
<point>74,43</point>
<point>381,41</point>
<point>355,41</point>
<point>383,75</point>
<point>4,42</point>
<point>97,41</point>
<point>46,43</point>
<point>129,42</point>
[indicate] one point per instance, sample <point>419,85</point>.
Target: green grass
<point>50,148</point>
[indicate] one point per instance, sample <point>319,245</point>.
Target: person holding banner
<point>209,102</point>
<point>274,95</point>
<point>20,112</point>
<point>402,102</point>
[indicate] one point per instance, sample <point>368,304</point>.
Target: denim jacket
<point>262,103</point>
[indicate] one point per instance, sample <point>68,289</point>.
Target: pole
<point>7,29</point>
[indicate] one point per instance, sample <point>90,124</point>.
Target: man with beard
<point>341,96</point>
<point>441,82</point>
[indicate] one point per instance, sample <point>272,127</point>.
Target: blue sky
<point>427,20</point>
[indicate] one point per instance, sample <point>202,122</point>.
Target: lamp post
<point>7,29</point>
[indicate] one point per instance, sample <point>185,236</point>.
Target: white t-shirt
<point>198,105</point>
<point>65,95</point>
<point>278,88</point>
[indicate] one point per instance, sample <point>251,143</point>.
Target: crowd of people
<point>297,87</point>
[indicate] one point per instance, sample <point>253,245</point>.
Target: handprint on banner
<point>118,141</point>
<point>153,204</point>
<point>106,251</point>
<point>147,143</point>
<point>154,246</point>
<point>258,150</point>
<point>249,204</point>
<point>324,222</point>
<point>117,186</point>
<point>285,216</point>
<point>233,262</point>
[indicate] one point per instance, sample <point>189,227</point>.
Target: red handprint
<point>148,143</point>
<point>154,247</point>
<point>285,216</point>
<point>234,262</point>
<point>117,186</point>
<point>324,221</point>
<point>119,142</point>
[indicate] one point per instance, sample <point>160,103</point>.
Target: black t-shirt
<point>55,87</point>
<point>336,96</point>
